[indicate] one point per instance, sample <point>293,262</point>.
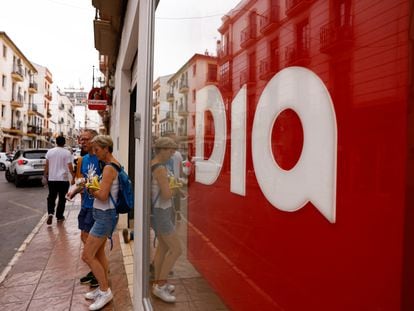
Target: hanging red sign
<point>97,99</point>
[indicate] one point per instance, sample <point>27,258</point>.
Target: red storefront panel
<point>259,256</point>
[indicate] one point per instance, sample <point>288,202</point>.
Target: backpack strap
<point>118,169</point>
<point>116,166</point>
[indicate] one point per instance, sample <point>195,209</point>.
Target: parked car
<point>26,164</point>
<point>4,161</point>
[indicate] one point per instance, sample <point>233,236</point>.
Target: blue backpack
<point>125,202</point>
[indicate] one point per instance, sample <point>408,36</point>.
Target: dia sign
<point>312,179</point>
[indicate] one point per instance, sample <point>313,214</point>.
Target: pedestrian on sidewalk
<point>175,165</point>
<point>88,165</point>
<point>163,220</point>
<point>58,173</point>
<point>106,218</point>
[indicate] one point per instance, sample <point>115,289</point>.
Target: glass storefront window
<point>290,124</point>
<point>185,61</point>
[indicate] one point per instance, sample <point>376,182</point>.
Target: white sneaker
<point>101,300</point>
<point>92,295</point>
<point>170,287</point>
<point>163,293</point>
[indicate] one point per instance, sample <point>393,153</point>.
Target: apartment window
<point>3,110</point>
<point>4,51</point>
<point>303,35</point>
<point>194,96</point>
<point>194,69</point>
<point>212,73</point>
<point>3,81</point>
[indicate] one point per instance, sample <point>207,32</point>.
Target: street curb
<point>21,249</point>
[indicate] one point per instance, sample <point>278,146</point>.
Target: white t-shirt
<point>58,159</point>
<point>177,162</point>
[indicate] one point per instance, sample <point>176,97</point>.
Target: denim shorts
<point>85,219</point>
<point>105,222</point>
<point>163,220</point>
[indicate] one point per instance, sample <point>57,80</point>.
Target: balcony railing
<point>182,110</point>
<point>269,67</point>
<point>18,125</point>
<point>32,109</point>
<point>34,129</point>
<point>17,73</point>
<point>170,96</point>
<point>297,55</point>
<point>269,20</point>
<point>183,88</point>
<point>223,51</point>
<point>32,87</point>
<point>334,37</point>
<point>248,36</point>
<point>17,100</point>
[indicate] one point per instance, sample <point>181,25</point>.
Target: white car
<point>27,164</point>
<point>4,161</point>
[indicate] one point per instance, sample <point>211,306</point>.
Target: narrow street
<point>20,209</point>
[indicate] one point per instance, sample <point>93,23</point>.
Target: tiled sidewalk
<point>46,275</point>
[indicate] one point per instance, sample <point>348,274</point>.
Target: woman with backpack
<point>105,217</point>
<point>163,220</point>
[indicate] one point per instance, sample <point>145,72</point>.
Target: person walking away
<point>106,218</point>
<point>88,166</point>
<point>163,220</point>
<point>58,172</point>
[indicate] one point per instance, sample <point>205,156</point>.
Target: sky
<point>57,34</point>
<point>186,27</point>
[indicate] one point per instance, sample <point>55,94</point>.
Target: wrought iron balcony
<point>334,37</point>
<point>297,55</point>
<point>170,96</point>
<point>269,20</point>
<point>17,73</point>
<point>34,129</point>
<point>17,100</point>
<point>269,67</point>
<point>223,53</point>
<point>182,110</point>
<point>248,36</point>
<point>32,109</point>
<point>32,87</point>
<point>183,87</point>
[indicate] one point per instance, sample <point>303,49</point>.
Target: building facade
<point>64,118</point>
<point>20,122</point>
<point>43,101</point>
<point>199,71</point>
<point>160,106</point>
